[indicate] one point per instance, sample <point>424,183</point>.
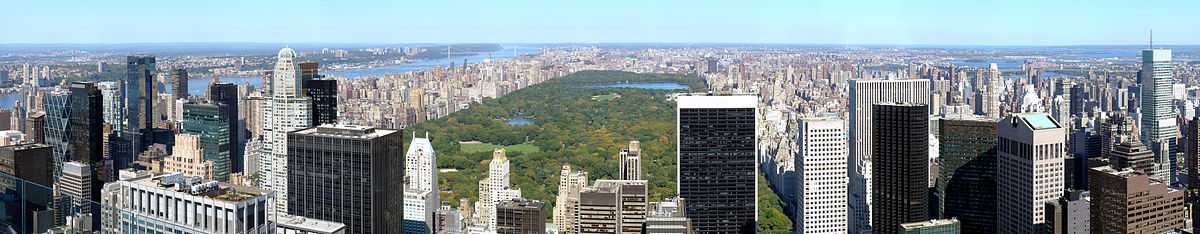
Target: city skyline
<point>883,22</point>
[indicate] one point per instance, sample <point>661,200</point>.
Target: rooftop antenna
<point>1152,39</point>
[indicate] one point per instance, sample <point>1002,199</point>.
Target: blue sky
<point>938,22</point>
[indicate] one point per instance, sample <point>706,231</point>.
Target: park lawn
<point>606,97</point>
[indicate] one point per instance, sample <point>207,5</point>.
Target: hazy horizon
<point>818,22</point>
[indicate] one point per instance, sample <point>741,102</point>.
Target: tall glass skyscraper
<point>863,94</point>
<point>139,99</point>
<point>717,165</point>
<point>209,122</point>
<point>225,95</point>
<point>901,154</point>
<point>1158,116</point>
<point>966,184</point>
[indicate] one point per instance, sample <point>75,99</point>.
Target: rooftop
<point>346,131</point>
<point>1039,121</point>
<point>309,224</point>
<point>739,101</point>
<point>193,185</point>
<point>930,223</point>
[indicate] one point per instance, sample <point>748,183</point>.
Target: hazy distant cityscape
<point>881,116</point>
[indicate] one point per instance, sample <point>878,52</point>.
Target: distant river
<point>197,86</point>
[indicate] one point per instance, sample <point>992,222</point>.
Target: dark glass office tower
<point>901,165</point>
<point>179,84</point>
<point>520,216</point>
<point>324,100</point>
<point>966,184</point>
<point>717,167</point>
<point>86,124</point>
<point>209,122</point>
<point>348,174</point>
<point>139,99</point>
<point>226,96</point>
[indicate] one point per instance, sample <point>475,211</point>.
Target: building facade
<point>520,216</point>
<point>717,140</point>
<point>1158,128</point>
<point>319,156</point>
<point>209,122</point>
<point>1030,152</point>
<point>864,93</point>
<point>143,202</point>
<point>900,158</point>
<point>285,111</point>
<point>822,187</point>
<point>1128,201</point>
<point>966,183</point>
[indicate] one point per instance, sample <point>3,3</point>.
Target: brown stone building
<point>1128,201</point>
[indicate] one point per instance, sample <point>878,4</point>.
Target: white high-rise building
<point>1030,150</point>
<point>566,208</point>
<point>421,188</point>
<point>631,162</point>
<point>494,189</point>
<point>863,94</point>
<point>991,93</point>
<point>822,187</point>
<point>1158,116</point>
<point>285,110</point>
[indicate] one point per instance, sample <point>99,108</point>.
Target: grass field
<point>486,147</point>
<point>606,97</point>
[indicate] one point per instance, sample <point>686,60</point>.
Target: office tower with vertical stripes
<point>1158,128</point>
<point>285,111</point>
<point>863,94</point>
<point>1030,151</point>
<point>718,168</point>
<point>901,153</point>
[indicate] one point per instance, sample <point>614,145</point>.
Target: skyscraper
<point>225,96</point>
<point>566,203</point>
<point>966,184</point>
<point>520,216</point>
<point>285,111</point>
<point>991,92</point>
<point>631,162</point>
<point>78,194</point>
<point>863,94</point>
<point>210,123</point>
<point>494,189</point>
<point>1030,152</point>
<point>901,153</point>
<point>188,158</point>
<point>821,163</point>
<point>1128,201</point>
<point>323,93</point>
<point>1158,117</point>
<point>139,99</point>
<point>717,165</point>
<point>113,94</point>
<point>179,84</point>
<point>613,206</point>
<point>420,171</point>
<point>319,159</point>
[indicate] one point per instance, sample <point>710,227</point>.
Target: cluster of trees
<point>571,128</point>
